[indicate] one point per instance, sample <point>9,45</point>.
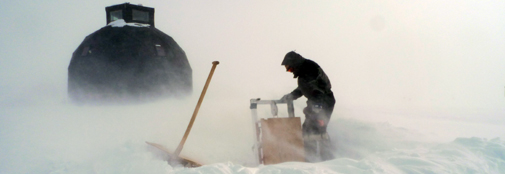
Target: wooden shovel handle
<point>181,144</point>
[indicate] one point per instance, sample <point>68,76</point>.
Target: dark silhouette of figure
<point>316,87</point>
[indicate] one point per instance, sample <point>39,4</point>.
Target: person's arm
<point>297,93</point>
<point>318,86</point>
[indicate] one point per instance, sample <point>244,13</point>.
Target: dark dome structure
<point>128,59</point>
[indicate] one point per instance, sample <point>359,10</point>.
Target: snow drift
<point>59,137</point>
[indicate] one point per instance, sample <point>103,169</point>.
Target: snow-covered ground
<point>56,136</point>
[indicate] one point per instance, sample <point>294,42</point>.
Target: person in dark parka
<point>316,87</point>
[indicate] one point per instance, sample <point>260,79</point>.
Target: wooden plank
<point>282,140</point>
<point>179,159</point>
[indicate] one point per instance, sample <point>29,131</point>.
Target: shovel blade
<point>174,160</point>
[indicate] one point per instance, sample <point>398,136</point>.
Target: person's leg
<point>326,148</point>
<point>311,146</point>
<point>311,153</point>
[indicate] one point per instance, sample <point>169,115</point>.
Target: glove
<point>287,97</point>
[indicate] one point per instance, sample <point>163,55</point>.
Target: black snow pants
<point>317,142</point>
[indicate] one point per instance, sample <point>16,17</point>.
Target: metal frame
<point>257,149</point>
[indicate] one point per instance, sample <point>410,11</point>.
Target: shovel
<point>174,157</point>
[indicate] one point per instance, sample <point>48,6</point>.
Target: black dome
<point>128,62</point>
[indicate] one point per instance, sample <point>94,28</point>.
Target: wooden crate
<point>282,140</point>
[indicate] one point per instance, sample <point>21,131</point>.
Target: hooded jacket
<point>312,81</point>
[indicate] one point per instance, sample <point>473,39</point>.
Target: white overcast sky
<point>406,56</point>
